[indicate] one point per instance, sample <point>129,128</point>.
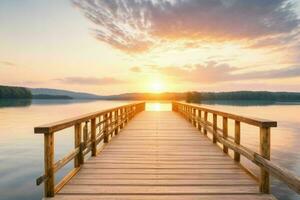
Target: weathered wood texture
<point>160,156</point>
<point>86,140</point>
<point>261,158</point>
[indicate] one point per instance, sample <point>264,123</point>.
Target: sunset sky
<point>118,46</point>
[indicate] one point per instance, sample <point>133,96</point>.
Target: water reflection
<point>284,139</point>
<point>158,106</point>
<point>14,103</point>
<point>20,147</point>
<point>246,103</point>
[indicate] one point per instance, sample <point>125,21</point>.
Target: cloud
<point>135,69</point>
<point>213,72</point>
<point>138,25</point>
<point>7,63</point>
<point>90,80</point>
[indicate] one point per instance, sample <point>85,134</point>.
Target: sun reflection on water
<point>158,106</point>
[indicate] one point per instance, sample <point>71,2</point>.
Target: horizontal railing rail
<point>198,116</point>
<point>89,131</point>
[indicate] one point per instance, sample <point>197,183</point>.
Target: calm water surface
<point>21,152</point>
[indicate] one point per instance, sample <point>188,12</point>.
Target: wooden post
<point>79,159</point>
<point>122,118</point>
<point>237,139</point>
<point>225,133</point>
<point>190,114</point>
<point>265,150</point>
<point>116,122</point>
<point>48,163</point>
<point>93,137</point>
<point>200,119</point>
<point>174,107</point>
<point>193,116</point>
<point>85,134</point>
<point>215,125</point>
<point>205,120</point>
<point>110,125</point>
<point>126,115</point>
<point>105,128</point>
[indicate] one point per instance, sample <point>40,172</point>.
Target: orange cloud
<point>138,25</point>
<point>90,80</point>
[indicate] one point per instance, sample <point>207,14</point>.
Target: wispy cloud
<point>213,72</point>
<point>90,80</point>
<point>137,25</point>
<point>7,63</point>
<point>135,69</point>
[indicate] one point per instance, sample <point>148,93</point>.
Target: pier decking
<point>157,155</point>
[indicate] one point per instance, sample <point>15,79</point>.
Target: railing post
<point>79,158</point>
<point>215,125</point>
<point>193,116</point>
<point>265,146</point>
<point>126,115</point>
<point>122,118</point>
<point>205,120</point>
<point>174,107</point>
<point>93,137</point>
<point>199,120</point>
<point>85,134</point>
<point>116,122</point>
<point>190,113</point>
<point>225,133</point>
<point>237,139</point>
<point>49,162</point>
<point>105,128</point>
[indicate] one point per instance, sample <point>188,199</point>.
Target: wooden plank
<point>165,197</point>
<point>108,189</point>
<point>198,176</point>
<point>160,161</point>
<point>172,182</point>
<point>158,166</point>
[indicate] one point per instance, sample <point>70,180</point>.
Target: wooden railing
<point>103,125</point>
<point>198,116</point>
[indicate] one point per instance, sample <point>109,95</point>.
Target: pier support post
<point>79,159</point>
<point>225,133</point>
<point>116,121</point>
<point>122,118</point>
<point>265,144</point>
<point>93,137</point>
<point>105,128</point>
<point>237,139</point>
<point>48,163</point>
<point>215,128</point>
<point>205,121</point>
<point>199,119</point>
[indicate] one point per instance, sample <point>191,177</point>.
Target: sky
<point>119,46</point>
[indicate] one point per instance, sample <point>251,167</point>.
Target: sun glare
<point>157,86</point>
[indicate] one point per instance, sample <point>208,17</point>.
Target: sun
<point>157,86</point>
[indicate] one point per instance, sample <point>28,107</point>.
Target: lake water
<point>21,151</point>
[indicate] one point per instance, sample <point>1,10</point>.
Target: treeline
<point>46,96</point>
<point>244,95</point>
<point>8,92</point>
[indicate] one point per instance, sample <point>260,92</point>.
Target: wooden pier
<point>138,154</point>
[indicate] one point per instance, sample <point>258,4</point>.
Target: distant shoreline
<point>9,92</point>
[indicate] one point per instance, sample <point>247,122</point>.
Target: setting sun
<point>157,86</point>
